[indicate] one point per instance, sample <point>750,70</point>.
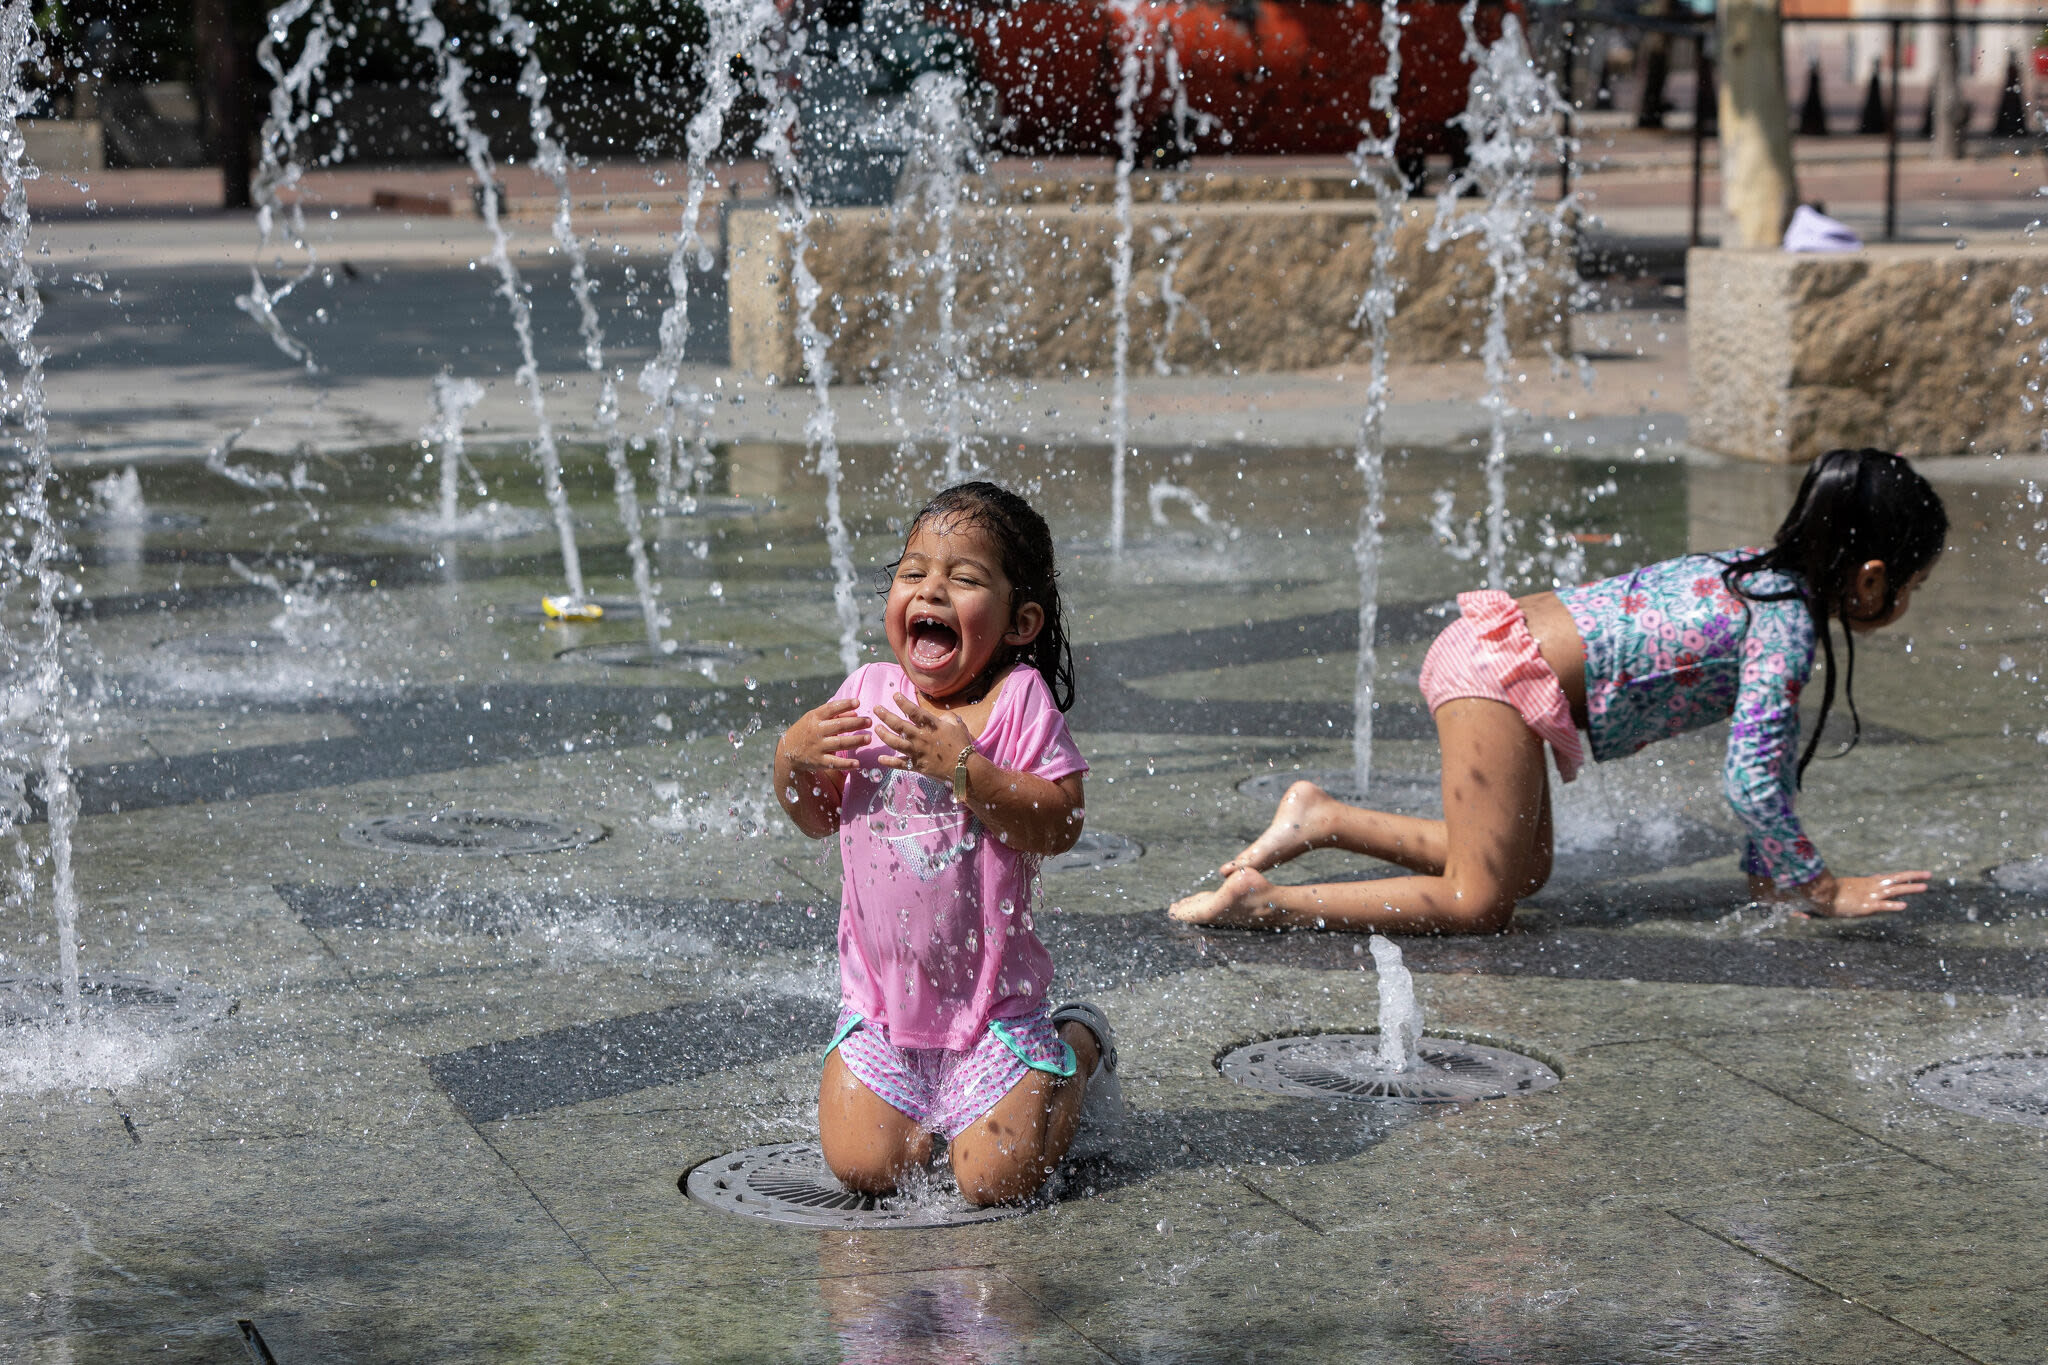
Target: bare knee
<point>869,1165</point>
<point>1002,1172</point>
<point>1483,903</point>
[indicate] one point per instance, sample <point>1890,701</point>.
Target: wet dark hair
<point>1025,543</point>
<point>1853,506</point>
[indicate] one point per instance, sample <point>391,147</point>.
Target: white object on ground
<point>1812,230</point>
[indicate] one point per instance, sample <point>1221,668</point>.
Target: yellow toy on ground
<point>566,608</point>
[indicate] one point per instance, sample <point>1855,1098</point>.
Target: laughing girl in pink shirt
<point>947,775</point>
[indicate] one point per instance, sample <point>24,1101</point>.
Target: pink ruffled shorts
<point>1488,653</point>
<point>948,1092</point>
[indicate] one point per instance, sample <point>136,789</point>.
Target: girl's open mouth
<point>933,643</point>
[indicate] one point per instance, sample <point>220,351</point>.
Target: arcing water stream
<point>453,106</point>
<point>736,27</point>
<point>34,736</point>
<point>290,115</point>
<point>1512,108</point>
<point>942,146</point>
<point>554,163</point>
<point>821,430</point>
<point>1130,73</point>
<point>1379,166</point>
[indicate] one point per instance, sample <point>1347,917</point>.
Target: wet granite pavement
<point>442,1105</point>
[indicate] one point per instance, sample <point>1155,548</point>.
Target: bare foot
<point>1301,823</point>
<point>1244,898</point>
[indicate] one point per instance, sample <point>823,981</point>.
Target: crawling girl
<point>948,774</point>
<point>1629,660</point>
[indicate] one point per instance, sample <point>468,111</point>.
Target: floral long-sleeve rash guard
<point>1670,649</point>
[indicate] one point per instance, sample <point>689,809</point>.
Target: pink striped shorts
<point>948,1092</point>
<point>1488,653</point>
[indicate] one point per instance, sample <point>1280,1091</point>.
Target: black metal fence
<point>1577,25</point>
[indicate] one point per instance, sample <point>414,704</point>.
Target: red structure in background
<point>1260,76</point>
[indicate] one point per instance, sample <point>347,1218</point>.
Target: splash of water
<point>307,619</point>
<point>452,79</point>
<point>1512,109</point>
<point>1378,165</point>
<point>736,27</point>
<point>120,499</point>
<point>1131,85</point>
<point>821,433</point>
<point>290,116</point>
<point>452,398</point>
<point>1400,1023</point>
<point>554,164</point>
<point>31,707</point>
<point>1164,491</point>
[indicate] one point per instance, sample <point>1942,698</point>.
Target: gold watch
<point>960,774</point>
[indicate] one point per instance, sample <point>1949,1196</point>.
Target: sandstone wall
<point>1217,286</point>
<point>1911,348</point>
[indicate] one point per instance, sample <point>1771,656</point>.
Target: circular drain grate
<point>1096,849</point>
<point>787,1183</point>
<point>2025,877</point>
<point>1345,1066</point>
<point>2011,1087</point>
<point>481,833</point>
<point>33,999</point>
<point>636,654</point>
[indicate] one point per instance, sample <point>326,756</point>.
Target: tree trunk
<point>225,59</point>
<point>1757,185</point>
<point>1945,100</point>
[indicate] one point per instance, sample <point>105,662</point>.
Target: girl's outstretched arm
<point>811,764</point>
<point>1833,897</point>
<point>1031,814</point>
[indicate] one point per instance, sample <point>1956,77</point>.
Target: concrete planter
<point>65,145</point>
<point>1912,348</point>
<point>1218,286</point>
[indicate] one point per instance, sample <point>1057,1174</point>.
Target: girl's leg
<point>868,1143</point>
<point>1310,818</point>
<point>1497,846</point>
<point>1009,1151</point>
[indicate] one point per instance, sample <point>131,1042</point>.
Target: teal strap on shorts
<point>853,1021</point>
<point>1064,1071</point>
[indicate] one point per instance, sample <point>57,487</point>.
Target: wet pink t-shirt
<point>935,934</point>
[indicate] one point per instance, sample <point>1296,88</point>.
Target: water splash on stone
<point>1400,1024</point>
<point>119,499</point>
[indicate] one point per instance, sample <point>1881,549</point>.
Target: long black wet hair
<point>1853,506</point>
<point>1025,543</point>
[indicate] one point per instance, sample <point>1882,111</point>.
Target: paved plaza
<point>411,1106</point>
